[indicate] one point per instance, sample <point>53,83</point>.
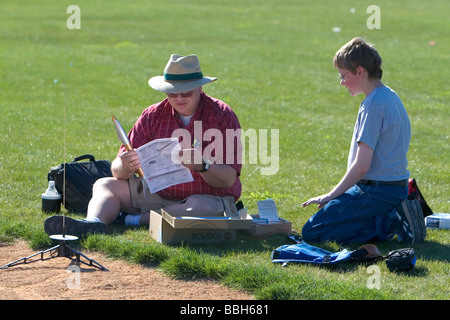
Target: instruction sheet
<point>268,210</point>
<point>159,163</point>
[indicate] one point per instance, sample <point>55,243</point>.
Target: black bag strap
<point>366,254</point>
<point>400,252</point>
<point>90,157</point>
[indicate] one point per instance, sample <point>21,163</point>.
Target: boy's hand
<point>320,200</point>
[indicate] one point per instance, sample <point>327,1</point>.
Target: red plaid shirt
<point>160,120</point>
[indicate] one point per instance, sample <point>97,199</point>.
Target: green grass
<point>273,61</point>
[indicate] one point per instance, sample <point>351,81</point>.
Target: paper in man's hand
<point>158,161</point>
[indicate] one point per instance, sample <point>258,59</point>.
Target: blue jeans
<point>363,213</point>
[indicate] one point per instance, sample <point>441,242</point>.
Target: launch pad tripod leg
<point>61,250</point>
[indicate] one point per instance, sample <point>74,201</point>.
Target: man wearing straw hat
<point>215,186</point>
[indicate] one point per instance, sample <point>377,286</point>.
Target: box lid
<point>205,219</point>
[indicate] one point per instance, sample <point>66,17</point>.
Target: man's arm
<point>218,175</point>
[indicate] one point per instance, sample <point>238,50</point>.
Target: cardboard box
<point>261,228</point>
<point>204,227</point>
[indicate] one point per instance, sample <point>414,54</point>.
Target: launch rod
<point>125,141</point>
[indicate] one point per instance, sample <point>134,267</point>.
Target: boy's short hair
<point>357,52</point>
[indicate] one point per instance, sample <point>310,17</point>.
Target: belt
<point>389,183</point>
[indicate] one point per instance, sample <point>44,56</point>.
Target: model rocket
<point>125,141</point>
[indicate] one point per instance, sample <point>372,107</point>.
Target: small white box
<point>438,221</point>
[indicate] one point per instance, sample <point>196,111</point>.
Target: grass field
<point>274,64</point>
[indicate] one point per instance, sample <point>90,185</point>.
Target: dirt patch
<point>53,280</point>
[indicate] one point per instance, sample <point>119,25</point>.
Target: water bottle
<point>51,199</point>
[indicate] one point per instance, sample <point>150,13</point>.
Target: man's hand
<point>125,166</point>
<point>191,158</point>
<point>218,175</point>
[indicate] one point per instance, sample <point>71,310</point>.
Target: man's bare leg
<point>108,196</point>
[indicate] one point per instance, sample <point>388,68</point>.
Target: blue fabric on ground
<point>303,252</point>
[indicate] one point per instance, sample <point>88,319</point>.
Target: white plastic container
<point>51,199</point>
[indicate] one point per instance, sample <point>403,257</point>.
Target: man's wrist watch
<point>206,165</point>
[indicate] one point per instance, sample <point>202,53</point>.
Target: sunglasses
<point>183,94</point>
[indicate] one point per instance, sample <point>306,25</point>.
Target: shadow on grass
<point>140,248</point>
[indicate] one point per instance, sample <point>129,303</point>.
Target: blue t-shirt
<point>384,126</point>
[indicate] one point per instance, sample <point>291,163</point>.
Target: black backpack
<point>79,179</point>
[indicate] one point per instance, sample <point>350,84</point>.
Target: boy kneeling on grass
<point>361,207</point>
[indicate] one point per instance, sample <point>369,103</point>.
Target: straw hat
<point>180,75</point>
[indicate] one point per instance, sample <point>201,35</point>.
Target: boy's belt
<point>389,183</point>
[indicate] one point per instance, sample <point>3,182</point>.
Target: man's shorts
<point>144,201</point>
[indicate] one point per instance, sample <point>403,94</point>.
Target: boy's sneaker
<point>410,224</point>
<point>74,227</point>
